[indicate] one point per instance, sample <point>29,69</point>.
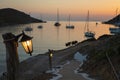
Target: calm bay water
<point>49,37</point>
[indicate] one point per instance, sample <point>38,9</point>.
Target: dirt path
<point>68,71</point>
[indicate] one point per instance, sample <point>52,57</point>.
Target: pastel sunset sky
<point>99,9</point>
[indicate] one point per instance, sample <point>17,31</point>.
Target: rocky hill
<point>97,63</point>
<point>114,21</point>
<point>9,16</point>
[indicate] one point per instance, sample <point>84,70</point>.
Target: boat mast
<point>87,24</point>
<point>57,15</point>
<point>69,19</point>
<point>116,11</point>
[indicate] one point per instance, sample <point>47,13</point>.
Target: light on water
<point>48,37</point>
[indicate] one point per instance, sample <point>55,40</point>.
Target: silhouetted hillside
<point>97,63</point>
<point>115,20</point>
<point>9,16</point>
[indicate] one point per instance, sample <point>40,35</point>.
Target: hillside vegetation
<point>97,63</point>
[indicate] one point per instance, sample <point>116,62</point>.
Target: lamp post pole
<point>50,58</point>
<point>12,60</point>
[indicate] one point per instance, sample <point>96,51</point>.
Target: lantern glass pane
<point>28,46</point>
<point>51,54</point>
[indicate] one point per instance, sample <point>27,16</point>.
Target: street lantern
<point>12,58</point>
<point>51,55</point>
<point>26,42</point>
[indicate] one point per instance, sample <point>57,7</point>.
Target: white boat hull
<point>89,34</point>
<point>115,30</point>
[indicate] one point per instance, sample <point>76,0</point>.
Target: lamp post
<point>50,58</point>
<point>11,44</point>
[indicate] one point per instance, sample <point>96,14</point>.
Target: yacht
<point>69,26</point>
<point>88,33</point>
<point>57,22</point>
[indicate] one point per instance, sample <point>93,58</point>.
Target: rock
<point>9,16</point>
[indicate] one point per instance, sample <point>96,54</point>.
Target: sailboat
<point>40,26</point>
<point>28,28</point>
<point>70,26</point>
<point>88,33</point>
<point>57,22</point>
<point>114,30</point>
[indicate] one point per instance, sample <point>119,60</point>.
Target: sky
<point>47,9</point>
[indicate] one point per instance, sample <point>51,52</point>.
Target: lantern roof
<point>25,38</point>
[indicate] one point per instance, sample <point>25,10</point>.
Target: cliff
<point>114,21</point>
<point>9,16</point>
<point>97,63</point>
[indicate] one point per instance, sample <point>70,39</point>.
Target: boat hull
<point>89,34</point>
<point>114,30</point>
<point>28,29</point>
<point>71,27</point>
<point>57,24</point>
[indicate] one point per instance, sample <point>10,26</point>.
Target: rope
<point>115,73</point>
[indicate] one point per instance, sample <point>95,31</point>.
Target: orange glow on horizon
<point>73,7</point>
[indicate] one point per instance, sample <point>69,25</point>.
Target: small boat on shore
<point>88,33</point>
<point>69,26</point>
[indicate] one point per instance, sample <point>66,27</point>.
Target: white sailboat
<point>114,30</point>
<point>88,33</point>
<point>70,26</point>
<point>57,22</point>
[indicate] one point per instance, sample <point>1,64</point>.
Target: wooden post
<point>12,59</point>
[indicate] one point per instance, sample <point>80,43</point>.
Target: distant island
<point>9,16</point>
<point>114,21</point>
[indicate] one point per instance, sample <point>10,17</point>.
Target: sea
<point>49,37</point>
